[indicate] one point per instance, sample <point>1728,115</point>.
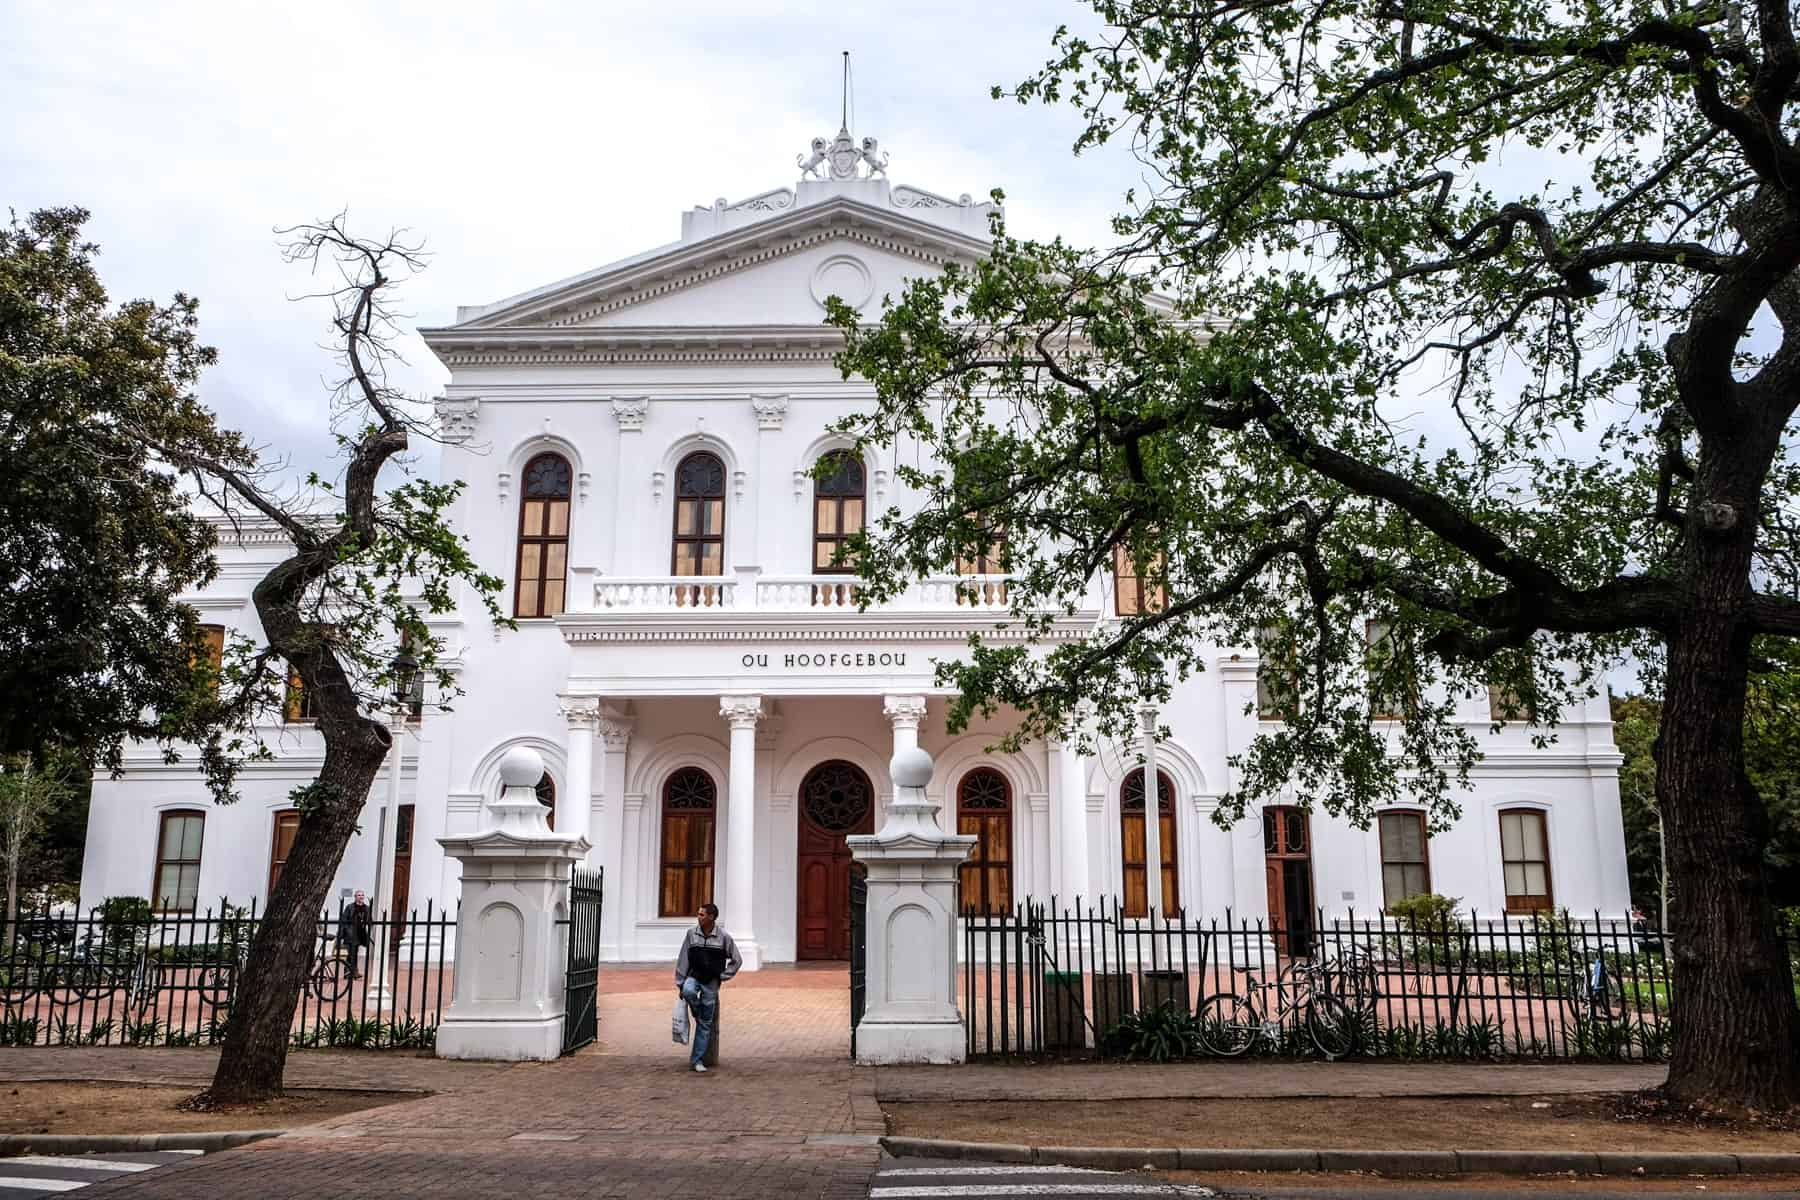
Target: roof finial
<point>840,157</point>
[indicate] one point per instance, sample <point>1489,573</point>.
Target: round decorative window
<point>836,797</point>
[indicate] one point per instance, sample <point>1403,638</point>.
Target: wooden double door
<point>836,800</point>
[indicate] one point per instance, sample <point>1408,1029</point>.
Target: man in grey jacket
<point>708,958</point>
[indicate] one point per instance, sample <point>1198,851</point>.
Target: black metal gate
<point>859,951</point>
<point>581,1021</point>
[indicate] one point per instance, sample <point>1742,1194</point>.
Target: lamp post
<point>405,669</point>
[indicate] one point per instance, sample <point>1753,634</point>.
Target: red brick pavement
<point>785,1117</point>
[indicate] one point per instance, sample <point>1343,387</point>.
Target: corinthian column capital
<point>741,712</point>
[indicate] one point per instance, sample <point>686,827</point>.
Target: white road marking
<point>43,1185</point>
<point>1020,1169</point>
<point>1036,1189</point>
<point>84,1164</point>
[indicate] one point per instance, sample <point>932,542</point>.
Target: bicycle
<point>1600,996</point>
<point>328,978</point>
<point>1231,1023</point>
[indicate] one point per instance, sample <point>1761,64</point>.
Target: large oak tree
<point>1474,318</point>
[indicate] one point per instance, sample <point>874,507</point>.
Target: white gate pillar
<point>510,953</point>
<point>910,945</point>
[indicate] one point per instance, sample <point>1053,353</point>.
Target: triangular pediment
<point>776,272</point>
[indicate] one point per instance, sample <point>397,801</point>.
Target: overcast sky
<point>524,143</point>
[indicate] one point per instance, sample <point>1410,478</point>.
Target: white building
<point>639,442</point>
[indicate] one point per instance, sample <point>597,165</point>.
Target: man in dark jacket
<point>708,958</point>
<point>354,926</point>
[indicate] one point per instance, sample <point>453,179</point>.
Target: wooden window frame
<point>1528,904</point>
<point>1423,861</point>
<point>1504,705</point>
<point>677,539</point>
<point>543,540</point>
<point>277,865</point>
<point>1171,859</point>
<point>298,706</point>
<point>1377,700</point>
<point>1139,606</point>
<point>545,791</point>
<point>837,540</point>
<point>691,869</point>
<point>981,862</point>
<point>1276,660</point>
<point>162,826</point>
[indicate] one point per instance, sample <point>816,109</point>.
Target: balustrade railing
<point>793,593</point>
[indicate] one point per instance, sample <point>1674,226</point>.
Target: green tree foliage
<point>96,539</point>
<point>1473,318</point>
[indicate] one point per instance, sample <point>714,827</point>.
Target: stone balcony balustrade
<point>751,591</point>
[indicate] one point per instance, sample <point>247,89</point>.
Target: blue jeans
<point>703,1002</point>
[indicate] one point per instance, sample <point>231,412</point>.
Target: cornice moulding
<point>790,627</point>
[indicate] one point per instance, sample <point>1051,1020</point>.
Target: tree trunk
<point>1735,1023</point>
<point>262,1011</point>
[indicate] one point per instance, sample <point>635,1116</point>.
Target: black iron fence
<point>581,971</point>
<point>1047,980</point>
<point>125,976</point>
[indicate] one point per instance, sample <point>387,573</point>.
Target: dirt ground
<point>138,1108</point>
<point>1440,1123</point>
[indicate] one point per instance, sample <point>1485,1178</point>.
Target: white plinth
<point>911,1014</point>
<point>511,951</point>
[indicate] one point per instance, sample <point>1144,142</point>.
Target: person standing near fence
<point>355,924</point>
<point>708,958</point>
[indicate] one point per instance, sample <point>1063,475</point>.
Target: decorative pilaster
<point>1072,819</point>
<point>575,802</point>
<point>742,713</point>
<point>457,418</point>
<point>613,725</point>
<point>771,411</point>
<point>623,536</point>
<point>629,412</point>
<point>1153,847</point>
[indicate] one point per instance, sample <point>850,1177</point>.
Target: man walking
<point>354,926</point>
<point>708,958</point>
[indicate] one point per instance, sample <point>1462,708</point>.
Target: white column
<point>614,726</point>
<point>904,713</point>
<point>1072,820</point>
<point>575,799</point>
<point>742,712</point>
<point>1153,854</point>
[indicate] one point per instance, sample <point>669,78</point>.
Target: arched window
<point>838,501</point>
<point>699,542</point>
<point>546,796</point>
<point>1136,853</point>
<point>984,809</point>
<point>543,537</point>
<point>689,814</point>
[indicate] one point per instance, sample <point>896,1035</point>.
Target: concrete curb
<point>1382,1162</point>
<point>12,1144</point>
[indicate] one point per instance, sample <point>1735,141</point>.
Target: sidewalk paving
<point>786,1115</point>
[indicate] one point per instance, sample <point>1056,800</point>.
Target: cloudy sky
<point>523,142</point>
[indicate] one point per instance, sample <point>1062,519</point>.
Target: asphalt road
<point>40,1175</point>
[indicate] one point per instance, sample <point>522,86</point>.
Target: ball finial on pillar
<point>910,767</point>
<point>521,767</point>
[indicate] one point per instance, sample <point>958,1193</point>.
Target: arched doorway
<point>836,800</point>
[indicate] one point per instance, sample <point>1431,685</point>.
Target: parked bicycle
<point>1230,1023</point>
<point>328,978</point>
<point>1600,996</point>
<point>87,972</point>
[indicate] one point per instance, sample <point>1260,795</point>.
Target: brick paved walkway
<point>785,1117</point>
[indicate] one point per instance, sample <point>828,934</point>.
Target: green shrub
<point>1160,1034</point>
<point>1427,910</point>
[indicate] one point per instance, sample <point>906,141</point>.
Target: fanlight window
<point>543,537</point>
<point>839,499</point>
<point>699,541</point>
<point>984,809</point>
<point>689,819</point>
<point>1135,848</point>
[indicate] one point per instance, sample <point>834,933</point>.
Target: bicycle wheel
<point>20,981</point>
<point>145,982</point>
<point>217,985</point>
<point>1605,996</point>
<point>1331,1024</point>
<point>331,979</point>
<point>89,980</point>
<point>1227,1025</point>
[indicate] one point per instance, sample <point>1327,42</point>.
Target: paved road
<point>44,1174</point>
<point>940,1179</point>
